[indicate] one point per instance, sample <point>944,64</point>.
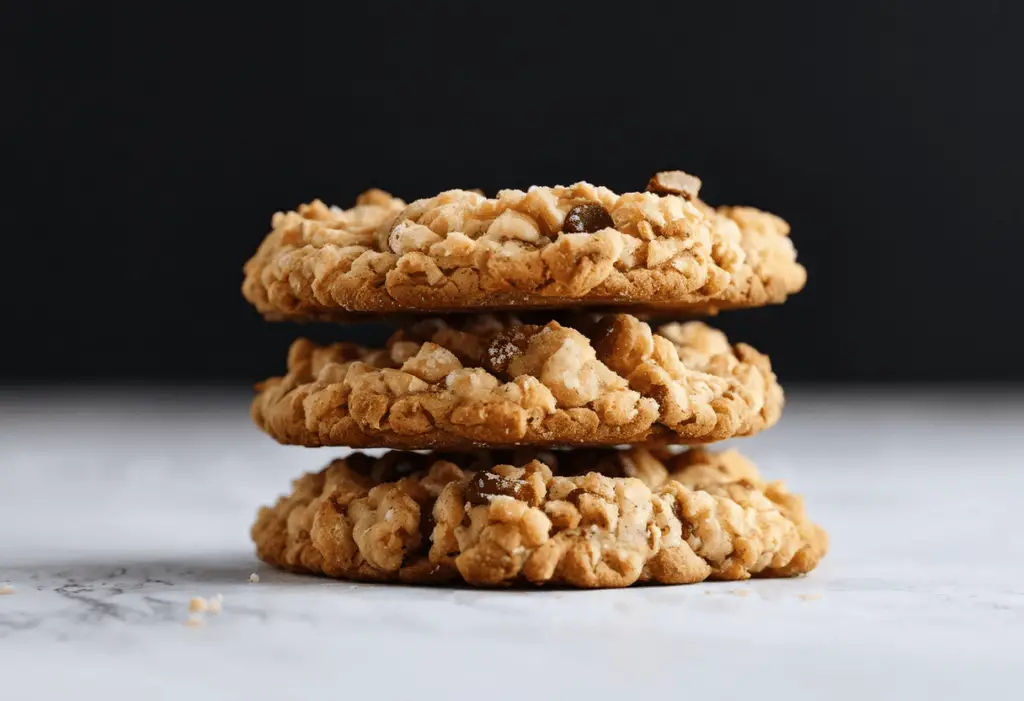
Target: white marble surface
<point>115,509</point>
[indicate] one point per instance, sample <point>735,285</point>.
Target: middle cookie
<point>609,380</point>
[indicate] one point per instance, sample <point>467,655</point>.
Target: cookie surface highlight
<point>547,247</point>
<point>587,518</point>
<point>489,382</point>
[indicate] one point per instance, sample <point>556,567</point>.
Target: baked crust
<point>547,247</point>
<point>582,518</point>
<point>494,382</point>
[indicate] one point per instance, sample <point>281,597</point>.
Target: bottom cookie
<point>582,518</point>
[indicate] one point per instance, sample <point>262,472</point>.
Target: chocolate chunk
<point>360,463</point>
<point>468,461</point>
<point>521,456</point>
<point>484,485</point>
<point>587,218</point>
<point>427,524</point>
<point>395,465</point>
<point>674,182</point>
<point>609,463</point>
<point>616,464</point>
<point>421,331</point>
<point>504,347</point>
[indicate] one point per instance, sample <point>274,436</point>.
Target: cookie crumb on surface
<point>6,588</point>
<point>740,592</point>
<point>194,621</point>
<point>213,606</point>
<point>254,578</point>
<point>810,597</point>
<point>197,604</point>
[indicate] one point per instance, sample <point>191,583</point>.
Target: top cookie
<point>547,247</point>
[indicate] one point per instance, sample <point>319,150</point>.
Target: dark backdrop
<point>149,147</point>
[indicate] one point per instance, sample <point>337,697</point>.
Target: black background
<point>148,147</point>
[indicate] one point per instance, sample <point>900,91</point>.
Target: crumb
<point>810,597</point>
<point>213,606</point>
<point>197,604</point>
<point>740,592</point>
<point>254,578</point>
<point>194,621</point>
<point>6,588</point>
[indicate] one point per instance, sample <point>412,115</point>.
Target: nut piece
<point>406,236</point>
<point>587,218</point>
<point>674,182</point>
<point>485,485</point>
<point>375,197</point>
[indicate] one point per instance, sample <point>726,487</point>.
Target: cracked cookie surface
<point>493,382</point>
<point>547,247</point>
<point>582,518</point>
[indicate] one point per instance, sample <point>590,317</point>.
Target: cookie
<point>548,247</point>
<point>638,516</point>
<point>492,382</point>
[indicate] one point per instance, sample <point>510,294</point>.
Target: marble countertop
<point>117,508</point>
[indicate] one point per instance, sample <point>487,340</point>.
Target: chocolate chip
<point>616,464</point>
<point>521,456</point>
<point>395,465</point>
<point>484,485</point>
<point>499,456</point>
<point>360,463</point>
<point>427,524</point>
<point>421,331</point>
<point>573,497</point>
<point>604,461</point>
<point>465,461</point>
<point>504,347</point>
<point>587,218</point>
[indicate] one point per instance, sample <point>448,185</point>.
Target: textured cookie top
<point>545,247</point>
<point>587,518</point>
<point>494,382</point>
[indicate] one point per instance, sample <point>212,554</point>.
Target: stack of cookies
<point>559,436</point>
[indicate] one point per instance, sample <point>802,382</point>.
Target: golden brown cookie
<point>492,383</point>
<point>547,247</point>
<point>588,518</point>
